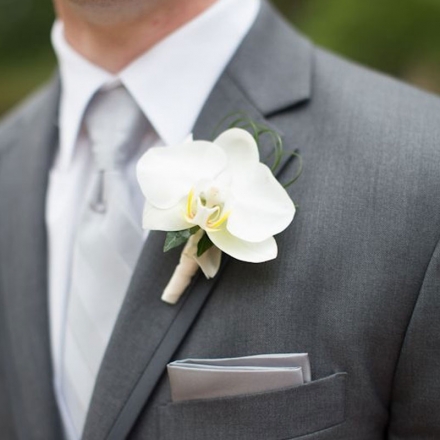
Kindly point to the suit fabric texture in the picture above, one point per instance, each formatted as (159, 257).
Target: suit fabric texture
(356, 283)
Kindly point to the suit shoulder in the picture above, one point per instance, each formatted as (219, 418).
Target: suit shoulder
(383, 133)
(12, 123)
(376, 112)
(349, 82)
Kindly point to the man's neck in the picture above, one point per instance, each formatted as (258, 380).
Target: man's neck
(112, 39)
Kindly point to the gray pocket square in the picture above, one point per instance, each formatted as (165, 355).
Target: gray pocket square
(192, 379)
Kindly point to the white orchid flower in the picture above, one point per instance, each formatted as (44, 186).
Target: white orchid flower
(221, 187)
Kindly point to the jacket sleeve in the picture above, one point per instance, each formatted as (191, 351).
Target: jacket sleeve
(415, 399)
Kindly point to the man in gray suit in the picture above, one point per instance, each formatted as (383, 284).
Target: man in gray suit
(356, 283)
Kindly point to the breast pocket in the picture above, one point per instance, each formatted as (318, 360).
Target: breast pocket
(276, 415)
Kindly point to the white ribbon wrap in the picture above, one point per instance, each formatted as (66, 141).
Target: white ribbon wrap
(188, 265)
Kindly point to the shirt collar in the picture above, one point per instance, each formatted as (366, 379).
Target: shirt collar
(170, 82)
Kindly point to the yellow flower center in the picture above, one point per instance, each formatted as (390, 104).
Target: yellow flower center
(206, 209)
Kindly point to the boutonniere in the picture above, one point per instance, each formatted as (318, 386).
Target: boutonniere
(214, 197)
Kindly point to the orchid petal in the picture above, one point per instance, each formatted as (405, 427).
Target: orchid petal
(189, 139)
(243, 250)
(240, 148)
(262, 207)
(166, 174)
(210, 261)
(172, 219)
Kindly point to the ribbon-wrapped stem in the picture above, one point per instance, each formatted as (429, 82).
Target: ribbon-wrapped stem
(188, 265)
(183, 273)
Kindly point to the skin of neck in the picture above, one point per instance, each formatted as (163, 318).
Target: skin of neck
(113, 33)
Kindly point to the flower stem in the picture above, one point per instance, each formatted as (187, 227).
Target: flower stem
(184, 272)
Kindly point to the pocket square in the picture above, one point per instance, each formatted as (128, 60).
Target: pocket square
(192, 379)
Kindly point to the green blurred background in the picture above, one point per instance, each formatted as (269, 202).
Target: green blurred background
(400, 37)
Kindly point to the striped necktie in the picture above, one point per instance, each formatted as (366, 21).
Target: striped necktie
(107, 245)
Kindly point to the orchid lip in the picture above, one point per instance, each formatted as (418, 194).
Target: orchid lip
(206, 210)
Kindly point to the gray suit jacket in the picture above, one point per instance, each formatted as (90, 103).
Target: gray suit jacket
(356, 283)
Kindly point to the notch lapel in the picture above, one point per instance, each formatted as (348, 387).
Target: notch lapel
(148, 331)
(26, 157)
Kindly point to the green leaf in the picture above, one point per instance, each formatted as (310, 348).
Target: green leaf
(204, 244)
(177, 238)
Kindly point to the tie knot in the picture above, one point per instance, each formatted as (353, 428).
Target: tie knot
(115, 125)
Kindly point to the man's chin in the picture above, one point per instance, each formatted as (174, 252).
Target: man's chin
(112, 12)
(101, 3)
(114, 4)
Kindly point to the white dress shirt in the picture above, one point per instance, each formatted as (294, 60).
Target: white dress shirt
(170, 83)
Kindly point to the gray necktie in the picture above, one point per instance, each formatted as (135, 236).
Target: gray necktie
(107, 245)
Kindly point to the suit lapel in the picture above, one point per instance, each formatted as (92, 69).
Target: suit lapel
(148, 331)
(25, 160)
